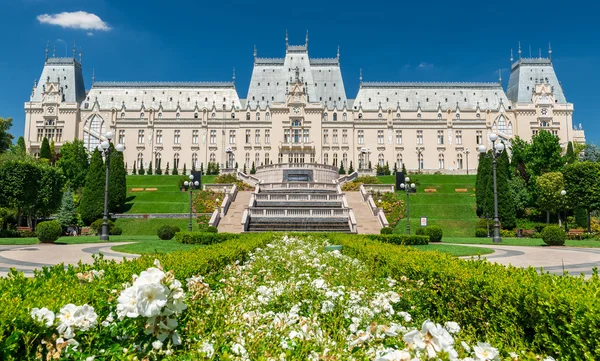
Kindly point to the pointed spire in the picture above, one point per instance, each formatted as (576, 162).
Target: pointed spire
(307, 38)
(80, 56)
(233, 75)
(361, 76)
(286, 39)
(47, 49)
(511, 57)
(500, 76)
(550, 51)
(540, 53)
(74, 49)
(338, 53)
(54, 51)
(93, 75)
(520, 52)
(255, 52)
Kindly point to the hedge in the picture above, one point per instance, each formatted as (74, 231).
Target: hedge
(400, 239)
(49, 231)
(204, 237)
(511, 307)
(54, 287)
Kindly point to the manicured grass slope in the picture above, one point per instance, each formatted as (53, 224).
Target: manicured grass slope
(149, 226)
(454, 212)
(168, 198)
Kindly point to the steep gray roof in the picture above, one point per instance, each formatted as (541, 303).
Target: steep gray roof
(526, 73)
(67, 71)
(158, 84)
(430, 96)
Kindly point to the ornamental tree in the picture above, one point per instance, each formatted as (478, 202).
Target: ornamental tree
(350, 168)
(548, 186)
(582, 183)
(570, 157)
(5, 137)
(149, 172)
(484, 174)
(45, 149)
(506, 204)
(518, 150)
(74, 163)
(544, 154)
(91, 206)
(117, 182)
(67, 214)
(49, 191)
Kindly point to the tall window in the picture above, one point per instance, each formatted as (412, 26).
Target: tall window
(280, 158)
(157, 158)
(312, 157)
(212, 158)
(419, 137)
(248, 161)
(267, 161)
(502, 124)
(177, 137)
(345, 160)
(256, 160)
(194, 136)
(459, 137)
(232, 137)
(380, 137)
(257, 136)
(267, 137)
(40, 134)
(398, 137)
(479, 137)
(195, 160)
(335, 158)
(58, 134)
(459, 161)
(247, 136)
(361, 161)
(248, 116)
(344, 116)
(306, 136)
(441, 161)
(420, 160)
(344, 136)
(257, 116)
(361, 137)
(140, 160)
(325, 158)
(440, 137)
(213, 137)
(399, 161)
(159, 137)
(334, 139)
(380, 160)
(325, 137)
(176, 161)
(325, 116)
(121, 137)
(335, 116)
(296, 135)
(510, 129)
(140, 137)
(177, 116)
(267, 117)
(286, 136)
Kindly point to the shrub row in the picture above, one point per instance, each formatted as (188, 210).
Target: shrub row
(513, 307)
(400, 239)
(204, 237)
(54, 287)
(435, 233)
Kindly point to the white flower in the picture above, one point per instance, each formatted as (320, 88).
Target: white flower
(549, 358)
(150, 276)
(90, 358)
(43, 315)
(238, 349)
(319, 283)
(207, 349)
(67, 321)
(452, 327)
(71, 343)
(485, 352)
(395, 355)
(360, 338)
(414, 340)
(85, 317)
(157, 345)
(465, 346)
(439, 339)
(327, 306)
(151, 298)
(127, 303)
(407, 317)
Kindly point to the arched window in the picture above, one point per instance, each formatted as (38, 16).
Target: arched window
(256, 160)
(345, 161)
(280, 158)
(267, 160)
(441, 161)
(510, 129)
(177, 116)
(267, 116)
(248, 161)
(248, 116)
(335, 159)
(502, 124)
(459, 161)
(334, 116)
(257, 116)
(361, 161)
(93, 132)
(325, 116)
(344, 117)
(325, 158)
(195, 160)
(399, 161)
(176, 161)
(212, 158)
(142, 116)
(159, 115)
(381, 160)
(140, 160)
(122, 115)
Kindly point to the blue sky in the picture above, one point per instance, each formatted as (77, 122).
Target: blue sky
(390, 40)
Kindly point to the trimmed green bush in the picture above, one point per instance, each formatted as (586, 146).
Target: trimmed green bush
(420, 231)
(386, 230)
(400, 239)
(481, 232)
(48, 232)
(167, 232)
(506, 233)
(96, 227)
(212, 229)
(435, 233)
(203, 237)
(553, 236)
(115, 231)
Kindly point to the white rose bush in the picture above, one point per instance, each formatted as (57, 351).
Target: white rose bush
(272, 297)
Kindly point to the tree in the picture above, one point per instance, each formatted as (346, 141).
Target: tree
(52, 152)
(548, 187)
(49, 191)
(45, 149)
(67, 214)
(484, 174)
(17, 180)
(141, 171)
(158, 167)
(544, 154)
(149, 168)
(134, 171)
(20, 148)
(126, 168)
(520, 195)
(395, 168)
(582, 183)
(404, 169)
(518, 150)
(167, 169)
(506, 204)
(91, 206)
(117, 182)
(342, 170)
(202, 168)
(351, 168)
(253, 169)
(175, 170)
(184, 169)
(244, 170)
(570, 157)
(5, 137)
(74, 163)
(591, 152)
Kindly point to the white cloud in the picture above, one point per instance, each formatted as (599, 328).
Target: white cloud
(90, 34)
(425, 65)
(75, 20)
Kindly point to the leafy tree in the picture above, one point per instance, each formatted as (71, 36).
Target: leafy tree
(5, 137)
(253, 169)
(351, 168)
(520, 195)
(591, 152)
(45, 149)
(544, 154)
(52, 152)
(74, 163)
(20, 148)
(117, 182)
(18, 182)
(484, 174)
(506, 204)
(184, 169)
(518, 150)
(91, 206)
(548, 187)
(582, 183)
(570, 157)
(67, 214)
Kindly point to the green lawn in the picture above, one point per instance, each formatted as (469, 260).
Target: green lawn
(453, 212)
(154, 245)
(168, 198)
(589, 243)
(457, 251)
(75, 240)
(148, 227)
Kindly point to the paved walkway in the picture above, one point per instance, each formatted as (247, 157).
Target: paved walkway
(575, 260)
(366, 222)
(232, 222)
(30, 257)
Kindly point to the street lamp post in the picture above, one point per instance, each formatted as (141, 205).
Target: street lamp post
(104, 148)
(563, 193)
(497, 150)
(407, 187)
(467, 151)
(419, 153)
(191, 184)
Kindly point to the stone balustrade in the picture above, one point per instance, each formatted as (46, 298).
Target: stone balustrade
(298, 185)
(298, 212)
(297, 197)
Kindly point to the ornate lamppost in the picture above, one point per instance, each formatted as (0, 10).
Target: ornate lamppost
(191, 184)
(407, 187)
(497, 150)
(104, 148)
(563, 193)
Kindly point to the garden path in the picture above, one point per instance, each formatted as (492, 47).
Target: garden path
(575, 260)
(30, 257)
(366, 223)
(232, 222)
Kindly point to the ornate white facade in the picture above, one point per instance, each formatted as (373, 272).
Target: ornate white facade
(296, 110)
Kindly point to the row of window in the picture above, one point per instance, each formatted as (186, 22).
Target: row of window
(52, 134)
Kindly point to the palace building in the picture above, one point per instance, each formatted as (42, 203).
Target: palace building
(296, 111)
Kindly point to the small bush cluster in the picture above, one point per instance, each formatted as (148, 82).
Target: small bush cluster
(48, 232)
(167, 232)
(386, 230)
(203, 237)
(553, 236)
(481, 232)
(113, 229)
(435, 233)
(399, 239)
(232, 179)
(356, 183)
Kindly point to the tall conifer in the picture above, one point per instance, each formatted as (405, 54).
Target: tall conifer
(91, 206)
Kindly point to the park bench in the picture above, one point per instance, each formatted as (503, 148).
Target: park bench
(461, 190)
(528, 232)
(430, 190)
(151, 189)
(575, 233)
(137, 189)
(86, 231)
(24, 229)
